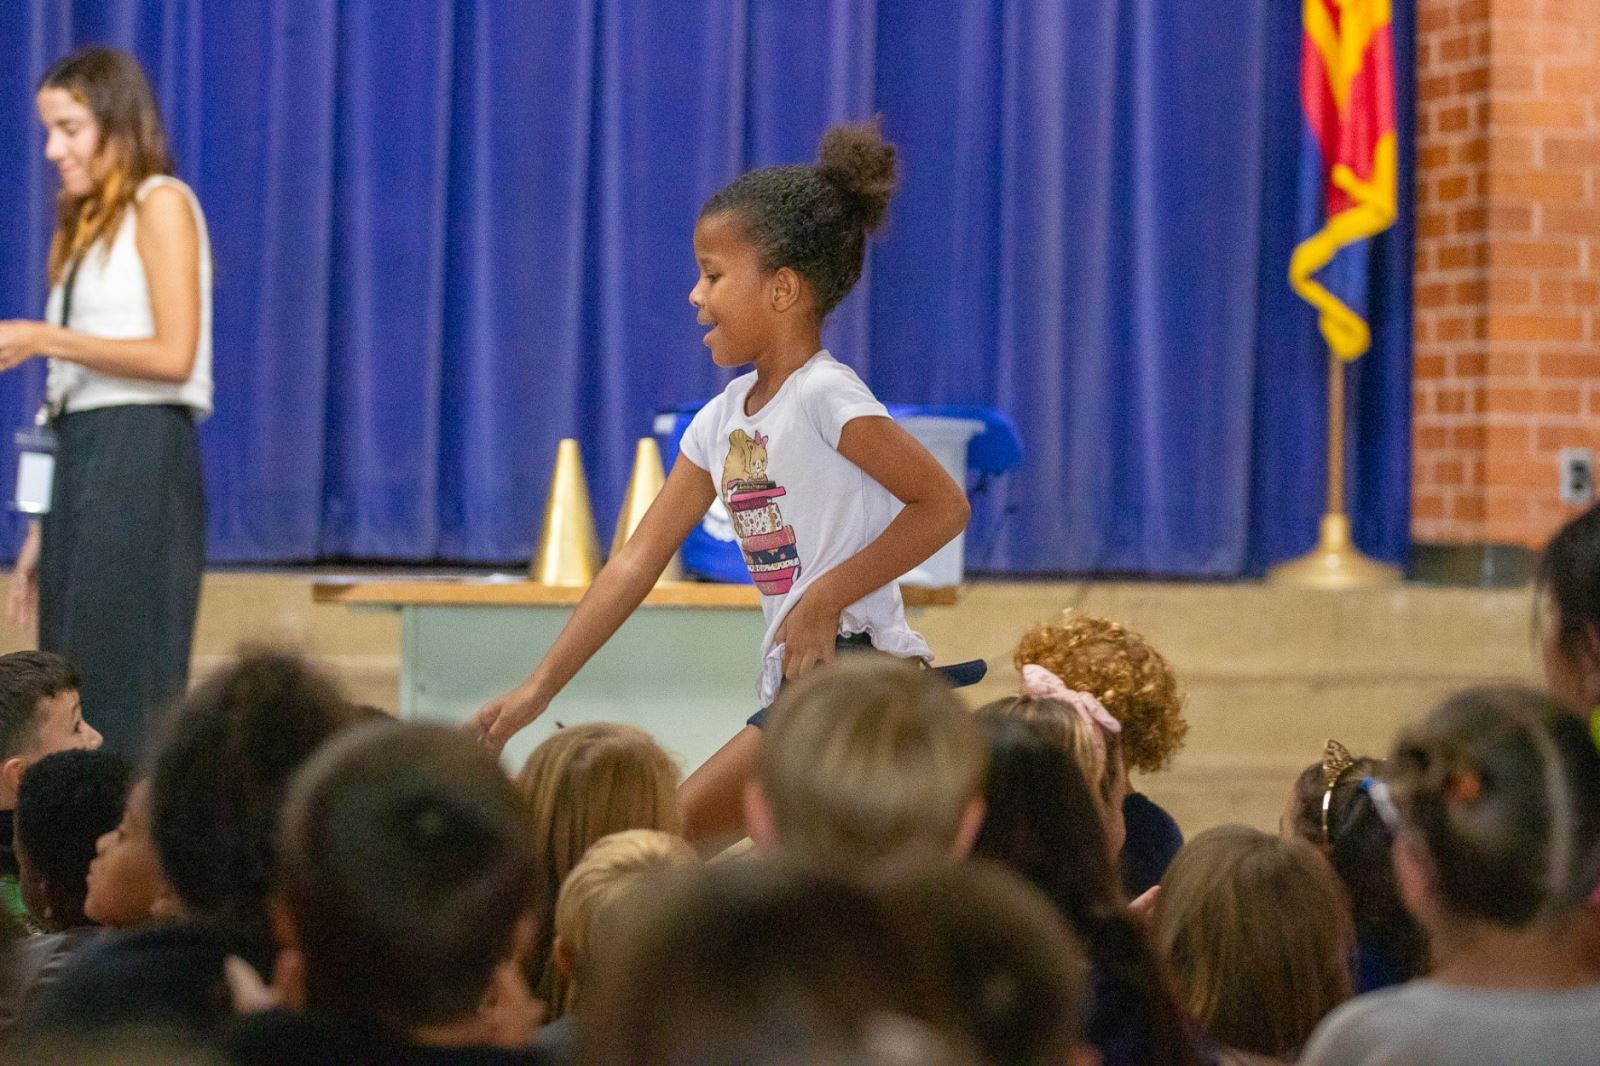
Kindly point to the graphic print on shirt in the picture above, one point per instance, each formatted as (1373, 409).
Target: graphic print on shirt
(768, 544)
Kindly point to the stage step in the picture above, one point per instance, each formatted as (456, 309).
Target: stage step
(1268, 673)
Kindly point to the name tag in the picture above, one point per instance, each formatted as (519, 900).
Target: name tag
(36, 469)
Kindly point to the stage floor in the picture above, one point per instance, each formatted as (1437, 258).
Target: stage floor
(1268, 673)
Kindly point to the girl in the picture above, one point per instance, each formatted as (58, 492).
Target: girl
(1494, 802)
(129, 340)
(1043, 820)
(1568, 582)
(583, 783)
(806, 459)
(1331, 808)
(1258, 935)
(1133, 681)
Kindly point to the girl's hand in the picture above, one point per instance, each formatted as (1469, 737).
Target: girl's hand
(509, 1011)
(502, 718)
(19, 342)
(808, 632)
(251, 995)
(22, 594)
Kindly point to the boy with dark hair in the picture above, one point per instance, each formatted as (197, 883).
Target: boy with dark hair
(405, 879)
(40, 714)
(218, 783)
(68, 800)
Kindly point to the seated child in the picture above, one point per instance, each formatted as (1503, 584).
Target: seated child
(126, 887)
(1258, 935)
(582, 783)
(39, 714)
(1131, 680)
(218, 782)
(1042, 821)
(867, 762)
(404, 878)
(66, 802)
(595, 897)
(1494, 803)
(1331, 807)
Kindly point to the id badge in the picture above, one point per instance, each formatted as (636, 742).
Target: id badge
(36, 469)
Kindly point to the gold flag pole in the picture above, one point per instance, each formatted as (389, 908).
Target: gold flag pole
(1335, 563)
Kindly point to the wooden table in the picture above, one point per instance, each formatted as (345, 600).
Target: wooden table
(683, 667)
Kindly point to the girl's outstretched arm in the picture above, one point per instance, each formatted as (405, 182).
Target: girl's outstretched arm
(936, 510)
(618, 589)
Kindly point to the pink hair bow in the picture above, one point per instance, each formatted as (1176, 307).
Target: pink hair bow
(1045, 685)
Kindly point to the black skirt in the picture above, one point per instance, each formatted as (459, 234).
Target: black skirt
(121, 558)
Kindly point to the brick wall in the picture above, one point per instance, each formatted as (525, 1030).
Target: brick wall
(1507, 263)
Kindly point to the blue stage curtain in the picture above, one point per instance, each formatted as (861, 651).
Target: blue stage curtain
(448, 234)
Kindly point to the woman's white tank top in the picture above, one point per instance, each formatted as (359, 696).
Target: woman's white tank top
(111, 298)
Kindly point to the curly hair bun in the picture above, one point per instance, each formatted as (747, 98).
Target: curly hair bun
(857, 160)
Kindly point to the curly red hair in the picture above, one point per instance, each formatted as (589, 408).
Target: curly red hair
(1116, 666)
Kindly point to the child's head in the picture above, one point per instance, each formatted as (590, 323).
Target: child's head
(40, 713)
(1014, 972)
(220, 775)
(582, 783)
(598, 891)
(125, 884)
(1497, 793)
(1568, 582)
(748, 957)
(1117, 667)
(1081, 727)
(1258, 935)
(1335, 793)
(405, 874)
(865, 761)
(66, 802)
(791, 238)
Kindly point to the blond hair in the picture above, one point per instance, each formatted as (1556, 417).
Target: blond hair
(1119, 668)
(1065, 728)
(1258, 933)
(869, 759)
(585, 782)
(604, 879)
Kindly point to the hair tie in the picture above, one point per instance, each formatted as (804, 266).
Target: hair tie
(1043, 684)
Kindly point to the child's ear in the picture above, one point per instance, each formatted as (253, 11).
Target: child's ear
(787, 289)
(562, 955)
(10, 781)
(967, 829)
(758, 820)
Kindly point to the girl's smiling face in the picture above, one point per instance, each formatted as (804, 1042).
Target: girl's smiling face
(72, 138)
(125, 879)
(731, 293)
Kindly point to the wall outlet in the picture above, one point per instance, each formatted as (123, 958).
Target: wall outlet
(1577, 476)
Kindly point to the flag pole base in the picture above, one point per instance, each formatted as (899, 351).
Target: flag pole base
(1335, 563)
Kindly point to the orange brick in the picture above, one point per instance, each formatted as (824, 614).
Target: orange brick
(1515, 363)
(1471, 219)
(1451, 119)
(1512, 78)
(1545, 114)
(1510, 292)
(1579, 14)
(1508, 439)
(1433, 224)
(1543, 186)
(1508, 219)
(1450, 401)
(1577, 79)
(1511, 149)
(1554, 438)
(1534, 254)
(1571, 221)
(1454, 46)
(1461, 256)
(1472, 291)
(1427, 367)
(1535, 327)
(1432, 156)
(1427, 505)
(1451, 188)
(1471, 80)
(1569, 365)
(1562, 151)
(1430, 438)
(1470, 12)
(1467, 508)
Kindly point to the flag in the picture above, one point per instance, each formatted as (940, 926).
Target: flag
(1348, 163)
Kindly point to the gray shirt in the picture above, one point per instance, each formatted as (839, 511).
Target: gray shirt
(1425, 1023)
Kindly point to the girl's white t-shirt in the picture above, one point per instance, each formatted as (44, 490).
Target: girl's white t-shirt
(799, 508)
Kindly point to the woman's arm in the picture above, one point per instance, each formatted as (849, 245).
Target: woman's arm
(169, 246)
(618, 589)
(935, 511)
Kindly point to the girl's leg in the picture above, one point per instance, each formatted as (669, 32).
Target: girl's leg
(712, 799)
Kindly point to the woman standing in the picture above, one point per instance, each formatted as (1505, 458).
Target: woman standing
(113, 570)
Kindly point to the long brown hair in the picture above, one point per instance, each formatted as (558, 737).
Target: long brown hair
(582, 783)
(1258, 934)
(133, 147)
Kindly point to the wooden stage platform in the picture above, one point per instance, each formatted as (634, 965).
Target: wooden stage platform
(1268, 673)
